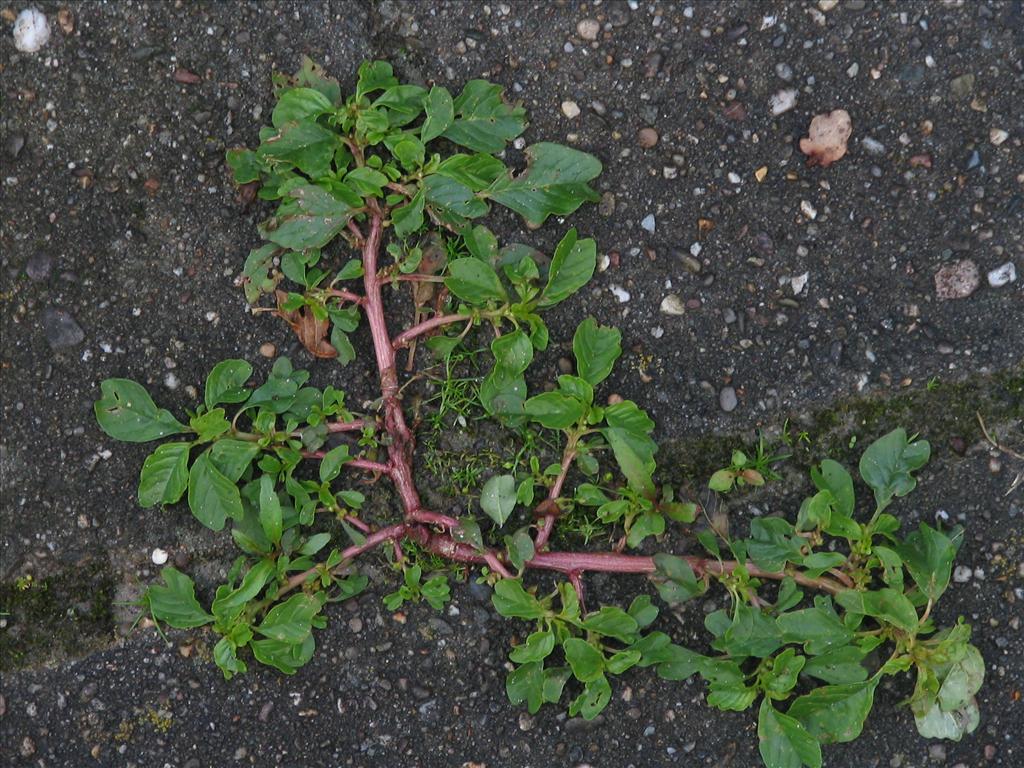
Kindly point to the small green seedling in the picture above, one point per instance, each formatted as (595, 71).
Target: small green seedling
(374, 193)
(744, 470)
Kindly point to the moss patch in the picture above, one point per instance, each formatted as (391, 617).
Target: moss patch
(56, 617)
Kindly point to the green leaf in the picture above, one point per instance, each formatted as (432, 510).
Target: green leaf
(627, 434)
(937, 723)
(512, 601)
(225, 384)
(245, 165)
(647, 524)
(643, 611)
(526, 684)
(571, 268)
(782, 677)
(520, 548)
(312, 75)
(538, 646)
(586, 662)
(332, 462)
(886, 604)
(304, 144)
(125, 411)
(316, 217)
(374, 76)
(404, 103)
(816, 628)
(176, 603)
(612, 622)
(595, 697)
(835, 713)
(408, 218)
(210, 425)
(483, 121)
(285, 657)
(554, 410)
(887, 463)
(225, 656)
(440, 112)
(962, 680)
(164, 476)
(409, 152)
(366, 181)
(554, 183)
(229, 603)
(211, 496)
(784, 742)
(773, 543)
(596, 348)
(298, 104)
(731, 696)
(270, 510)
(233, 457)
(498, 498)
(476, 172)
(680, 582)
(928, 554)
(752, 633)
(451, 201)
(474, 281)
(841, 665)
(833, 477)
(291, 622)
(815, 512)
(468, 532)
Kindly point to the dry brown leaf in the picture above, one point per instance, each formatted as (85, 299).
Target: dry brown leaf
(827, 137)
(311, 332)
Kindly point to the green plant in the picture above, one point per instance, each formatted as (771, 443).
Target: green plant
(744, 470)
(434, 590)
(272, 459)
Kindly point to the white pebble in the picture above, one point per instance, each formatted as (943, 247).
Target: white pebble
(657, 331)
(619, 293)
(1003, 275)
(873, 146)
(783, 101)
(673, 305)
(31, 31)
(799, 282)
(997, 136)
(962, 574)
(695, 249)
(588, 29)
(570, 109)
(648, 222)
(808, 210)
(159, 556)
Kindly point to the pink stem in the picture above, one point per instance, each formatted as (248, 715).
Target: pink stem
(355, 522)
(432, 518)
(346, 426)
(355, 298)
(391, 533)
(369, 466)
(406, 336)
(401, 446)
(556, 490)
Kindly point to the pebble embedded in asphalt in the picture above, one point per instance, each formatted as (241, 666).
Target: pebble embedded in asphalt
(727, 399)
(61, 329)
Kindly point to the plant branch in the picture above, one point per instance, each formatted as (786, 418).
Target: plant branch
(369, 466)
(551, 507)
(405, 337)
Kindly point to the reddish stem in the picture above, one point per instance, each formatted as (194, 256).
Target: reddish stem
(406, 336)
(369, 466)
(556, 490)
(344, 295)
(346, 426)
